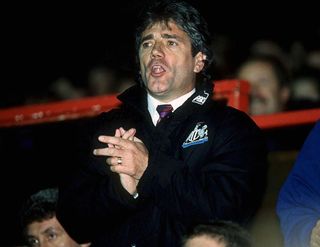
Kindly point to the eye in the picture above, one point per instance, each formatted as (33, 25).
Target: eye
(146, 44)
(33, 242)
(172, 43)
(52, 235)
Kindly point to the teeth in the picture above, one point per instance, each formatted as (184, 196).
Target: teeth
(157, 69)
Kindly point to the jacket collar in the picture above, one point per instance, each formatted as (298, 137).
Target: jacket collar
(136, 97)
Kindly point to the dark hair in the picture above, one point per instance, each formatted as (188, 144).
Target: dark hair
(280, 70)
(187, 18)
(40, 206)
(227, 232)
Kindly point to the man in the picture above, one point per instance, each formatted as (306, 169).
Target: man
(147, 180)
(298, 205)
(268, 79)
(39, 223)
(217, 234)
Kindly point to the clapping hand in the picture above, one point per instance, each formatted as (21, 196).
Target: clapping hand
(126, 155)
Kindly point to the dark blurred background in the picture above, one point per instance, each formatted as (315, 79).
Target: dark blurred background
(44, 42)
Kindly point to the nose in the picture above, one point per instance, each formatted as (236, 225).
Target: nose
(157, 51)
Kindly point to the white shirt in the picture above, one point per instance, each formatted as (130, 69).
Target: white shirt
(153, 103)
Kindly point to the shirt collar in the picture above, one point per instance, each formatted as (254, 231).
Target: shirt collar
(176, 103)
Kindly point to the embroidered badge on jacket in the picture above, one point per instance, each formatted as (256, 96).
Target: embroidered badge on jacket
(197, 136)
(201, 99)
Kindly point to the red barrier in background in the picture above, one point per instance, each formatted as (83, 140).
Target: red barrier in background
(287, 119)
(235, 92)
(56, 111)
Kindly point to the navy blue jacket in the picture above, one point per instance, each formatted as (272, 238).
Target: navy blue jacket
(298, 205)
(206, 162)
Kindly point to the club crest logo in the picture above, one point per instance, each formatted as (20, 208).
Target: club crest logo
(199, 135)
(200, 99)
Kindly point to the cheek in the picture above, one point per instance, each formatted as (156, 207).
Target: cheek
(144, 57)
(272, 90)
(143, 65)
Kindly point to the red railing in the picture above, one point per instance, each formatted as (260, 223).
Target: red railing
(287, 119)
(56, 111)
(235, 92)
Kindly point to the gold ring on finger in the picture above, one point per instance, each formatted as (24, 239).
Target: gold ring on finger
(119, 160)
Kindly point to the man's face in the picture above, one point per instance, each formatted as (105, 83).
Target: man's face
(48, 233)
(265, 92)
(167, 66)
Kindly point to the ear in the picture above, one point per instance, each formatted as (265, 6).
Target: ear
(199, 62)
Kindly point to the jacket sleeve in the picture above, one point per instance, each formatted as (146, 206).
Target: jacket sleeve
(92, 198)
(223, 178)
(298, 205)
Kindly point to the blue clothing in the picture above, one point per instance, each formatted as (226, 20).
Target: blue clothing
(298, 205)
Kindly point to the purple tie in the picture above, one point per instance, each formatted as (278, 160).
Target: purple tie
(164, 111)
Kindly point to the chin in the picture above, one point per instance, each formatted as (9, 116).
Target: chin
(157, 89)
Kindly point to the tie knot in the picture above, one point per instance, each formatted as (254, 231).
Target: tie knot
(164, 111)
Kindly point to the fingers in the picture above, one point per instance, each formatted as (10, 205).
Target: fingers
(136, 139)
(119, 141)
(121, 169)
(109, 151)
(129, 134)
(125, 153)
(116, 134)
(113, 140)
(117, 165)
(114, 161)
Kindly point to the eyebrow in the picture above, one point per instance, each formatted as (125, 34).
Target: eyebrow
(150, 36)
(165, 35)
(50, 229)
(171, 36)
